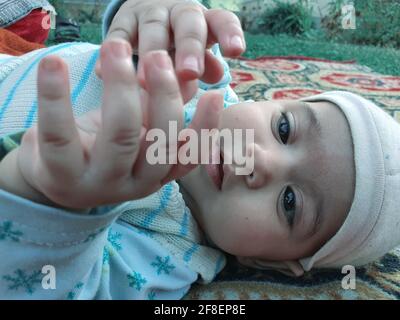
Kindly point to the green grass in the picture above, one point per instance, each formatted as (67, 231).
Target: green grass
(90, 32)
(382, 60)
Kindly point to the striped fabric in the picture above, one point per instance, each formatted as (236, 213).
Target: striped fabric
(18, 99)
(163, 216)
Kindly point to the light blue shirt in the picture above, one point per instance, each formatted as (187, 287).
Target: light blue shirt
(94, 256)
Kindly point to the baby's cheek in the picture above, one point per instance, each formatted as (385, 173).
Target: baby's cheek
(243, 238)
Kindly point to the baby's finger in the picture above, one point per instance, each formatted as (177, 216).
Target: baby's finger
(206, 117)
(226, 28)
(59, 143)
(124, 25)
(188, 89)
(165, 106)
(153, 30)
(190, 32)
(214, 70)
(154, 34)
(213, 73)
(117, 143)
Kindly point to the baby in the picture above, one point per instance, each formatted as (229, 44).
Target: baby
(81, 197)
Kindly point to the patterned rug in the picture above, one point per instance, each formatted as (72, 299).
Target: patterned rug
(292, 78)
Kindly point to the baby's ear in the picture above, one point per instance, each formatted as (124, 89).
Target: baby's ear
(290, 267)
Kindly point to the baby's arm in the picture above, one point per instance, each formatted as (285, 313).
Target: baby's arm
(101, 159)
(49, 253)
(33, 235)
(12, 180)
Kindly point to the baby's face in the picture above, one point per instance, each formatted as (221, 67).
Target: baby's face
(301, 188)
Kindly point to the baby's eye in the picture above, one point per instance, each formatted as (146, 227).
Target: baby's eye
(289, 205)
(284, 128)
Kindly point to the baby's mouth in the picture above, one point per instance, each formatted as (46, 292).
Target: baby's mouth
(215, 168)
(221, 167)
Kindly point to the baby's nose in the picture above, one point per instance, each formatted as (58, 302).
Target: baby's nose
(265, 167)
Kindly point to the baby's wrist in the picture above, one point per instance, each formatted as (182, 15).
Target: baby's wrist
(12, 181)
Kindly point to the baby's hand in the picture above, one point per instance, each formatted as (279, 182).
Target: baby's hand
(100, 158)
(188, 29)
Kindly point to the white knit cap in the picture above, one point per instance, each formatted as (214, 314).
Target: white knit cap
(372, 227)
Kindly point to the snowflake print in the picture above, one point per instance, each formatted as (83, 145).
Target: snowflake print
(136, 280)
(6, 231)
(115, 240)
(163, 265)
(23, 280)
(151, 295)
(72, 294)
(106, 255)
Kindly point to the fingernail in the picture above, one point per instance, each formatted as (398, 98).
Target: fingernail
(162, 60)
(50, 65)
(120, 49)
(191, 63)
(236, 41)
